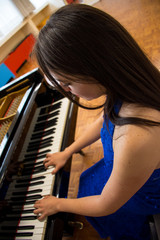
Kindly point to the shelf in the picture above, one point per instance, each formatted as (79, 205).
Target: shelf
(29, 25)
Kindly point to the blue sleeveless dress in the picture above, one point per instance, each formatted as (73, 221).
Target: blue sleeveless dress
(130, 222)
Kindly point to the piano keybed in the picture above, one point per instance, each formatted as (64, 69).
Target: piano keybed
(34, 181)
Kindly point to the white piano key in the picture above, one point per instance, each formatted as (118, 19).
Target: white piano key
(36, 231)
(36, 223)
(36, 237)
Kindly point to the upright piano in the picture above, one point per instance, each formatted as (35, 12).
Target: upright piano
(34, 120)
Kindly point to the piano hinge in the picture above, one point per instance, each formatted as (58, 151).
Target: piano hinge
(75, 224)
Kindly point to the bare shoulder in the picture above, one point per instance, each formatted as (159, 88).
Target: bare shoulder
(136, 156)
(139, 142)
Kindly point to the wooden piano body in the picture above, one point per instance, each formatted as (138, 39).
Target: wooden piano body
(37, 120)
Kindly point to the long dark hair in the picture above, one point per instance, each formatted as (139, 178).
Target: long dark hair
(80, 40)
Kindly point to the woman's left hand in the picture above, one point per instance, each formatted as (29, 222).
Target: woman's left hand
(45, 207)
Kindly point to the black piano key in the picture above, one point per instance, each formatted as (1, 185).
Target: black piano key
(53, 107)
(15, 218)
(29, 203)
(20, 204)
(37, 170)
(24, 234)
(6, 238)
(32, 164)
(43, 134)
(21, 211)
(11, 227)
(36, 196)
(18, 198)
(44, 125)
(47, 116)
(27, 170)
(30, 179)
(30, 170)
(41, 147)
(12, 235)
(32, 159)
(40, 141)
(26, 192)
(36, 154)
(27, 227)
(21, 193)
(29, 184)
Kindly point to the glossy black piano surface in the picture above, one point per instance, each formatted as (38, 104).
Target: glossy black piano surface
(43, 121)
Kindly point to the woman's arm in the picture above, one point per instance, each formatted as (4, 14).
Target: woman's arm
(132, 168)
(90, 135)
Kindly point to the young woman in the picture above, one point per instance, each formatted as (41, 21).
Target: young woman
(84, 51)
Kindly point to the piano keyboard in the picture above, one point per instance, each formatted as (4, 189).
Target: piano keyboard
(44, 135)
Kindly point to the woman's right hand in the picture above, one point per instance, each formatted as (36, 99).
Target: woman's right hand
(57, 160)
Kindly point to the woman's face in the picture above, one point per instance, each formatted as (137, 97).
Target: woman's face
(87, 91)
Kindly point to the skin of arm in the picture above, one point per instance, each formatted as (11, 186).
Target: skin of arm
(132, 167)
(89, 136)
